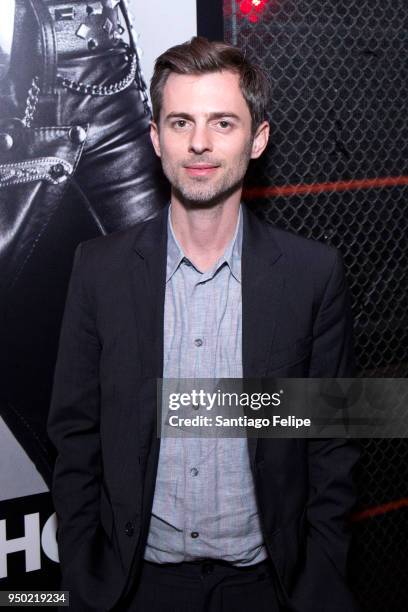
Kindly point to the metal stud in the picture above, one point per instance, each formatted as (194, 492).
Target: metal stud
(77, 134)
(82, 31)
(64, 14)
(57, 170)
(6, 141)
(92, 44)
(95, 9)
(108, 26)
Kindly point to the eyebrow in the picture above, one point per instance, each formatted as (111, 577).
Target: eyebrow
(217, 115)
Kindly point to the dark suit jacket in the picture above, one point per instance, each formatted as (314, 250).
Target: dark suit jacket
(296, 323)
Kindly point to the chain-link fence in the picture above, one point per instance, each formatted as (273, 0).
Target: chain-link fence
(336, 171)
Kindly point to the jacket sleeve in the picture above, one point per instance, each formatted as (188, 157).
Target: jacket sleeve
(322, 583)
(73, 423)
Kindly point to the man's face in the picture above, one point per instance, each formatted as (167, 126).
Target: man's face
(204, 137)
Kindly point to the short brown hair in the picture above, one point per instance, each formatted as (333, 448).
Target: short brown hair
(200, 56)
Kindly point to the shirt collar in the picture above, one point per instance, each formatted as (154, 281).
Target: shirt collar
(231, 256)
(175, 253)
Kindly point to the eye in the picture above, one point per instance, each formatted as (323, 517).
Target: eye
(224, 124)
(180, 123)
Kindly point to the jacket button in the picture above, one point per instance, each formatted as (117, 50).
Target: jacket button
(129, 529)
(77, 134)
(57, 171)
(6, 142)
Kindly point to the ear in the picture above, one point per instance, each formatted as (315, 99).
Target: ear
(154, 136)
(260, 140)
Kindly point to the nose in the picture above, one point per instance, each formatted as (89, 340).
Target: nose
(200, 140)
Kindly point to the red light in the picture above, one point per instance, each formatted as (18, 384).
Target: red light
(252, 9)
(245, 7)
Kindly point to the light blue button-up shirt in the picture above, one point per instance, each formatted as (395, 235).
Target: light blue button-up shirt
(204, 503)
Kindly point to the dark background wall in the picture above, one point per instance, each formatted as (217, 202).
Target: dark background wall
(336, 171)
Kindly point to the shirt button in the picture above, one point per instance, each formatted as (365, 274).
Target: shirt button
(129, 529)
(194, 534)
(198, 342)
(194, 472)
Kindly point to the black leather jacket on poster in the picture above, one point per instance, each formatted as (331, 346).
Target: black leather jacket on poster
(75, 161)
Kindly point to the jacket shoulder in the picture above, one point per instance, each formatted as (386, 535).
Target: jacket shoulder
(107, 253)
(115, 242)
(297, 252)
(297, 246)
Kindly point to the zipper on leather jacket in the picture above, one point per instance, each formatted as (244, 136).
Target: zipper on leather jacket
(54, 170)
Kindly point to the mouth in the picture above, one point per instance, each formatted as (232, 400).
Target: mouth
(201, 169)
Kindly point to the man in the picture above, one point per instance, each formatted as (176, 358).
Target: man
(205, 290)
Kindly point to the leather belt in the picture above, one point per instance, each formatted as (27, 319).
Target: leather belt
(86, 28)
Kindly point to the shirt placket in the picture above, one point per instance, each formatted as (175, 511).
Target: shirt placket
(194, 469)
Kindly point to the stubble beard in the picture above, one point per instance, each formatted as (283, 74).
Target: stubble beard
(204, 192)
(198, 192)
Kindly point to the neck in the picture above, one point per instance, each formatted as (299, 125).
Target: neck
(204, 232)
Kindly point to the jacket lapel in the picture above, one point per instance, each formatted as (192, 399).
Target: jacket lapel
(148, 279)
(148, 272)
(262, 285)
